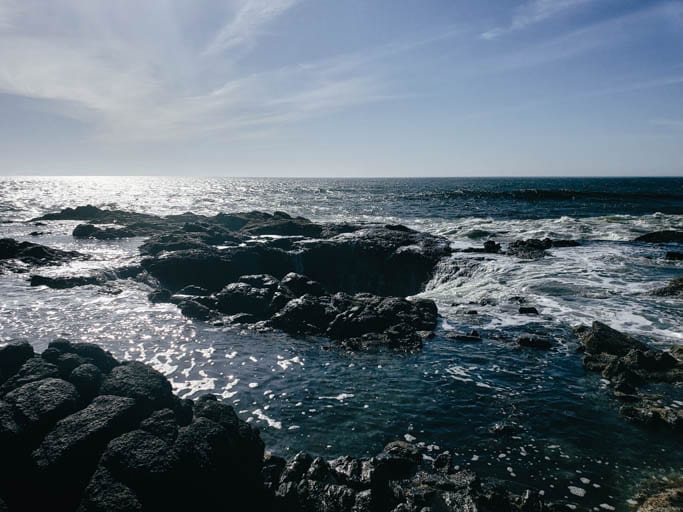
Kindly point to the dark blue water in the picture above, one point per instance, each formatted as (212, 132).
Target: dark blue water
(567, 433)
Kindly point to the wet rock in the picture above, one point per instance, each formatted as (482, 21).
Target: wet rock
(443, 462)
(673, 289)
(158, 296)
(12, 357)
(34, 254)
(194, 290)
(473, 335)
(529, 249)
(242, 297)
(653, 414)
(305, 315)
(148, 387)
(397, 461)
(297, 285)
(601, 338)
(673, 256)
(662, 237)
(195, 310)
(64, 282)
(528, 310)
(534, 342)
(296, 468)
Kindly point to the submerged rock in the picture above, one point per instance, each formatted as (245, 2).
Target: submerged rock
(534, 248)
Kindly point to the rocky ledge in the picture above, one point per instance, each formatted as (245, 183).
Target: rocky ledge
(82, 431)
(631, 366)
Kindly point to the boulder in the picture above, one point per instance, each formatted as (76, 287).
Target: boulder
(80, 437)
(149, 388)
(242, 297)
(34, 369)
(87, 378)
(106, 494)
(42, 403)
(12, 357)
(298, 285)
(63, 282)
(601, 338)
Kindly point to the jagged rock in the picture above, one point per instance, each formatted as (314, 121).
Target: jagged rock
(653, 414)
(673, 289)
(662, 237)
(149, 388)
(529, 249)
(162, 424)
(601, 338)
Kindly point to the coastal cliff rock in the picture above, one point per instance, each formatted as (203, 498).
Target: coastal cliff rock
(110, 436)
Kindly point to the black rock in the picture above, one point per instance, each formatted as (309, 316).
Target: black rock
(77, 440)
(106, 494)
(34, 254)
(163, 424)
(34, 369)
(63, 282)
(673, 289)
(195, 310)
(662, 237)
(601, 338)
(298, 285)
(87, 378)
(528, 310)
(534, 342)
(40, 404)
(12, 357)
(673, 256)
(148, 387)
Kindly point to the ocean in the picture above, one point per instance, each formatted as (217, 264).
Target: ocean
(568, 439)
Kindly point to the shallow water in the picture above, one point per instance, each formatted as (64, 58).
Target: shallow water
(569, 440)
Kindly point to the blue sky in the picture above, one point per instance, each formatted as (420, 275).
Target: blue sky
(341, 88)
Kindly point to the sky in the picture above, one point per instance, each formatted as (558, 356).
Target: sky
(341, 88)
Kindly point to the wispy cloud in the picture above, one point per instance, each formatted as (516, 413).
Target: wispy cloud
(534, 12)
(248, 23)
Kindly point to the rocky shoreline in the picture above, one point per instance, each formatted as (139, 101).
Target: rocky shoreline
(96, 434)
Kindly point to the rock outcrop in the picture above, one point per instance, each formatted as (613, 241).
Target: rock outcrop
(629, 364)
(662, 237)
